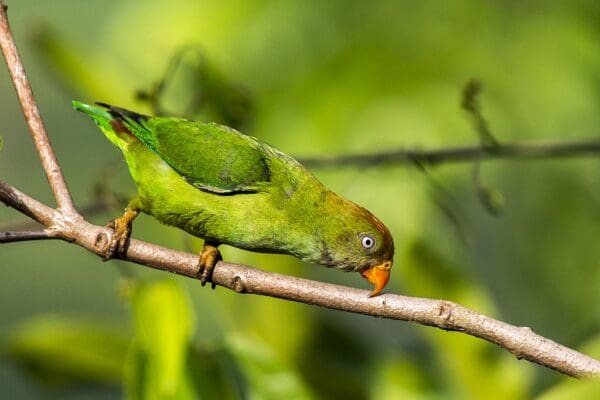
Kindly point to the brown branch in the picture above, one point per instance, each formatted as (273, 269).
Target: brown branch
(94, 207)
(531, 150)
(65, 223)
(26, 205)
(22, 236)
(520, 341)
(32, 116)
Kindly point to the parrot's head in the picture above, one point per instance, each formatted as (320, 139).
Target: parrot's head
(377, 245)
(362, 244)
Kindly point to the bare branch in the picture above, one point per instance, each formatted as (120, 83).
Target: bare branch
(22, 236)
(531, 150)
(65, 223)
(103, 200)
(32, 116)
(520, 341)
(94, 207)
(35, 210)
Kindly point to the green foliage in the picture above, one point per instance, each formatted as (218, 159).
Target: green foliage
(163, 362)
(471, 367)
(163, 325)
(60, 350)
(71, 65)
(345, 356)
(160, 361)
(193, 88)
(401, 378)
(569, 388)
(268, 378)
(584, 389)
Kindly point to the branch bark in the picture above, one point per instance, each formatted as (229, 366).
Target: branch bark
(23, 236)
(521, 341)
(32, 116)
(66, 224)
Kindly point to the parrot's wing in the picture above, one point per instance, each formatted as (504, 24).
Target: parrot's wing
(211, 157)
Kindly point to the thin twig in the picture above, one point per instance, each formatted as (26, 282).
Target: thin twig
(532, 150)
(470, 103)
(22, 236)
(66, 224)
(32, 116)
(524, 150)
(490, 198)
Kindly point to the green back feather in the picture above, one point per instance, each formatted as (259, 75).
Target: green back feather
(209, 156)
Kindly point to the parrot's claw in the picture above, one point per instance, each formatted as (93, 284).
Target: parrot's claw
(209, 256)
(121, 232)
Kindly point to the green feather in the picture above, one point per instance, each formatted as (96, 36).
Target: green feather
(218, 184)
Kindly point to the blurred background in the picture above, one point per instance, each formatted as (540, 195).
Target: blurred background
(313, 79)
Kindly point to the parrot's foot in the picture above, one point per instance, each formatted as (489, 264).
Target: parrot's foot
(122, 231)
(209, 256)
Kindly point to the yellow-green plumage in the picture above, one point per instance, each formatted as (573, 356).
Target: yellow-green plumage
(221, 185)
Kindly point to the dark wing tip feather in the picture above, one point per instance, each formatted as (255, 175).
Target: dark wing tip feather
(123, 114)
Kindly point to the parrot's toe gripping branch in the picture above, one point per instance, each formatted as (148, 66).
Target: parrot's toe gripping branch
(122, 231)
(209, 256)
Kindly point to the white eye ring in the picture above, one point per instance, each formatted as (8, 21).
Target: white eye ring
(367, 242)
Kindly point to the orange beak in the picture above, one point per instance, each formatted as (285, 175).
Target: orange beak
(378, 275)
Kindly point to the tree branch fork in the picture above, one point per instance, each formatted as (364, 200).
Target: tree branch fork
(66, 223)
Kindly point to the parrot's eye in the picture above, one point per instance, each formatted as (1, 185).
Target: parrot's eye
(367, 242)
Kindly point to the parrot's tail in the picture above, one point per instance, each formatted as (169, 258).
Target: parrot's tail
(108, 124)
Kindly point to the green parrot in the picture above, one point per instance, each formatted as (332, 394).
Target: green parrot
(229, 188)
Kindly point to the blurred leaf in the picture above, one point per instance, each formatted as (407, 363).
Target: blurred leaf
(157, 360)
(162, 363)
(573, 389)
(401, 379)
(569, 388)
(592, 347)
(471, 368)
(61, 350)
(194, 88)
(492, 199)
(268, 377)
(80, 71)
(347, 359)
(215, 374)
